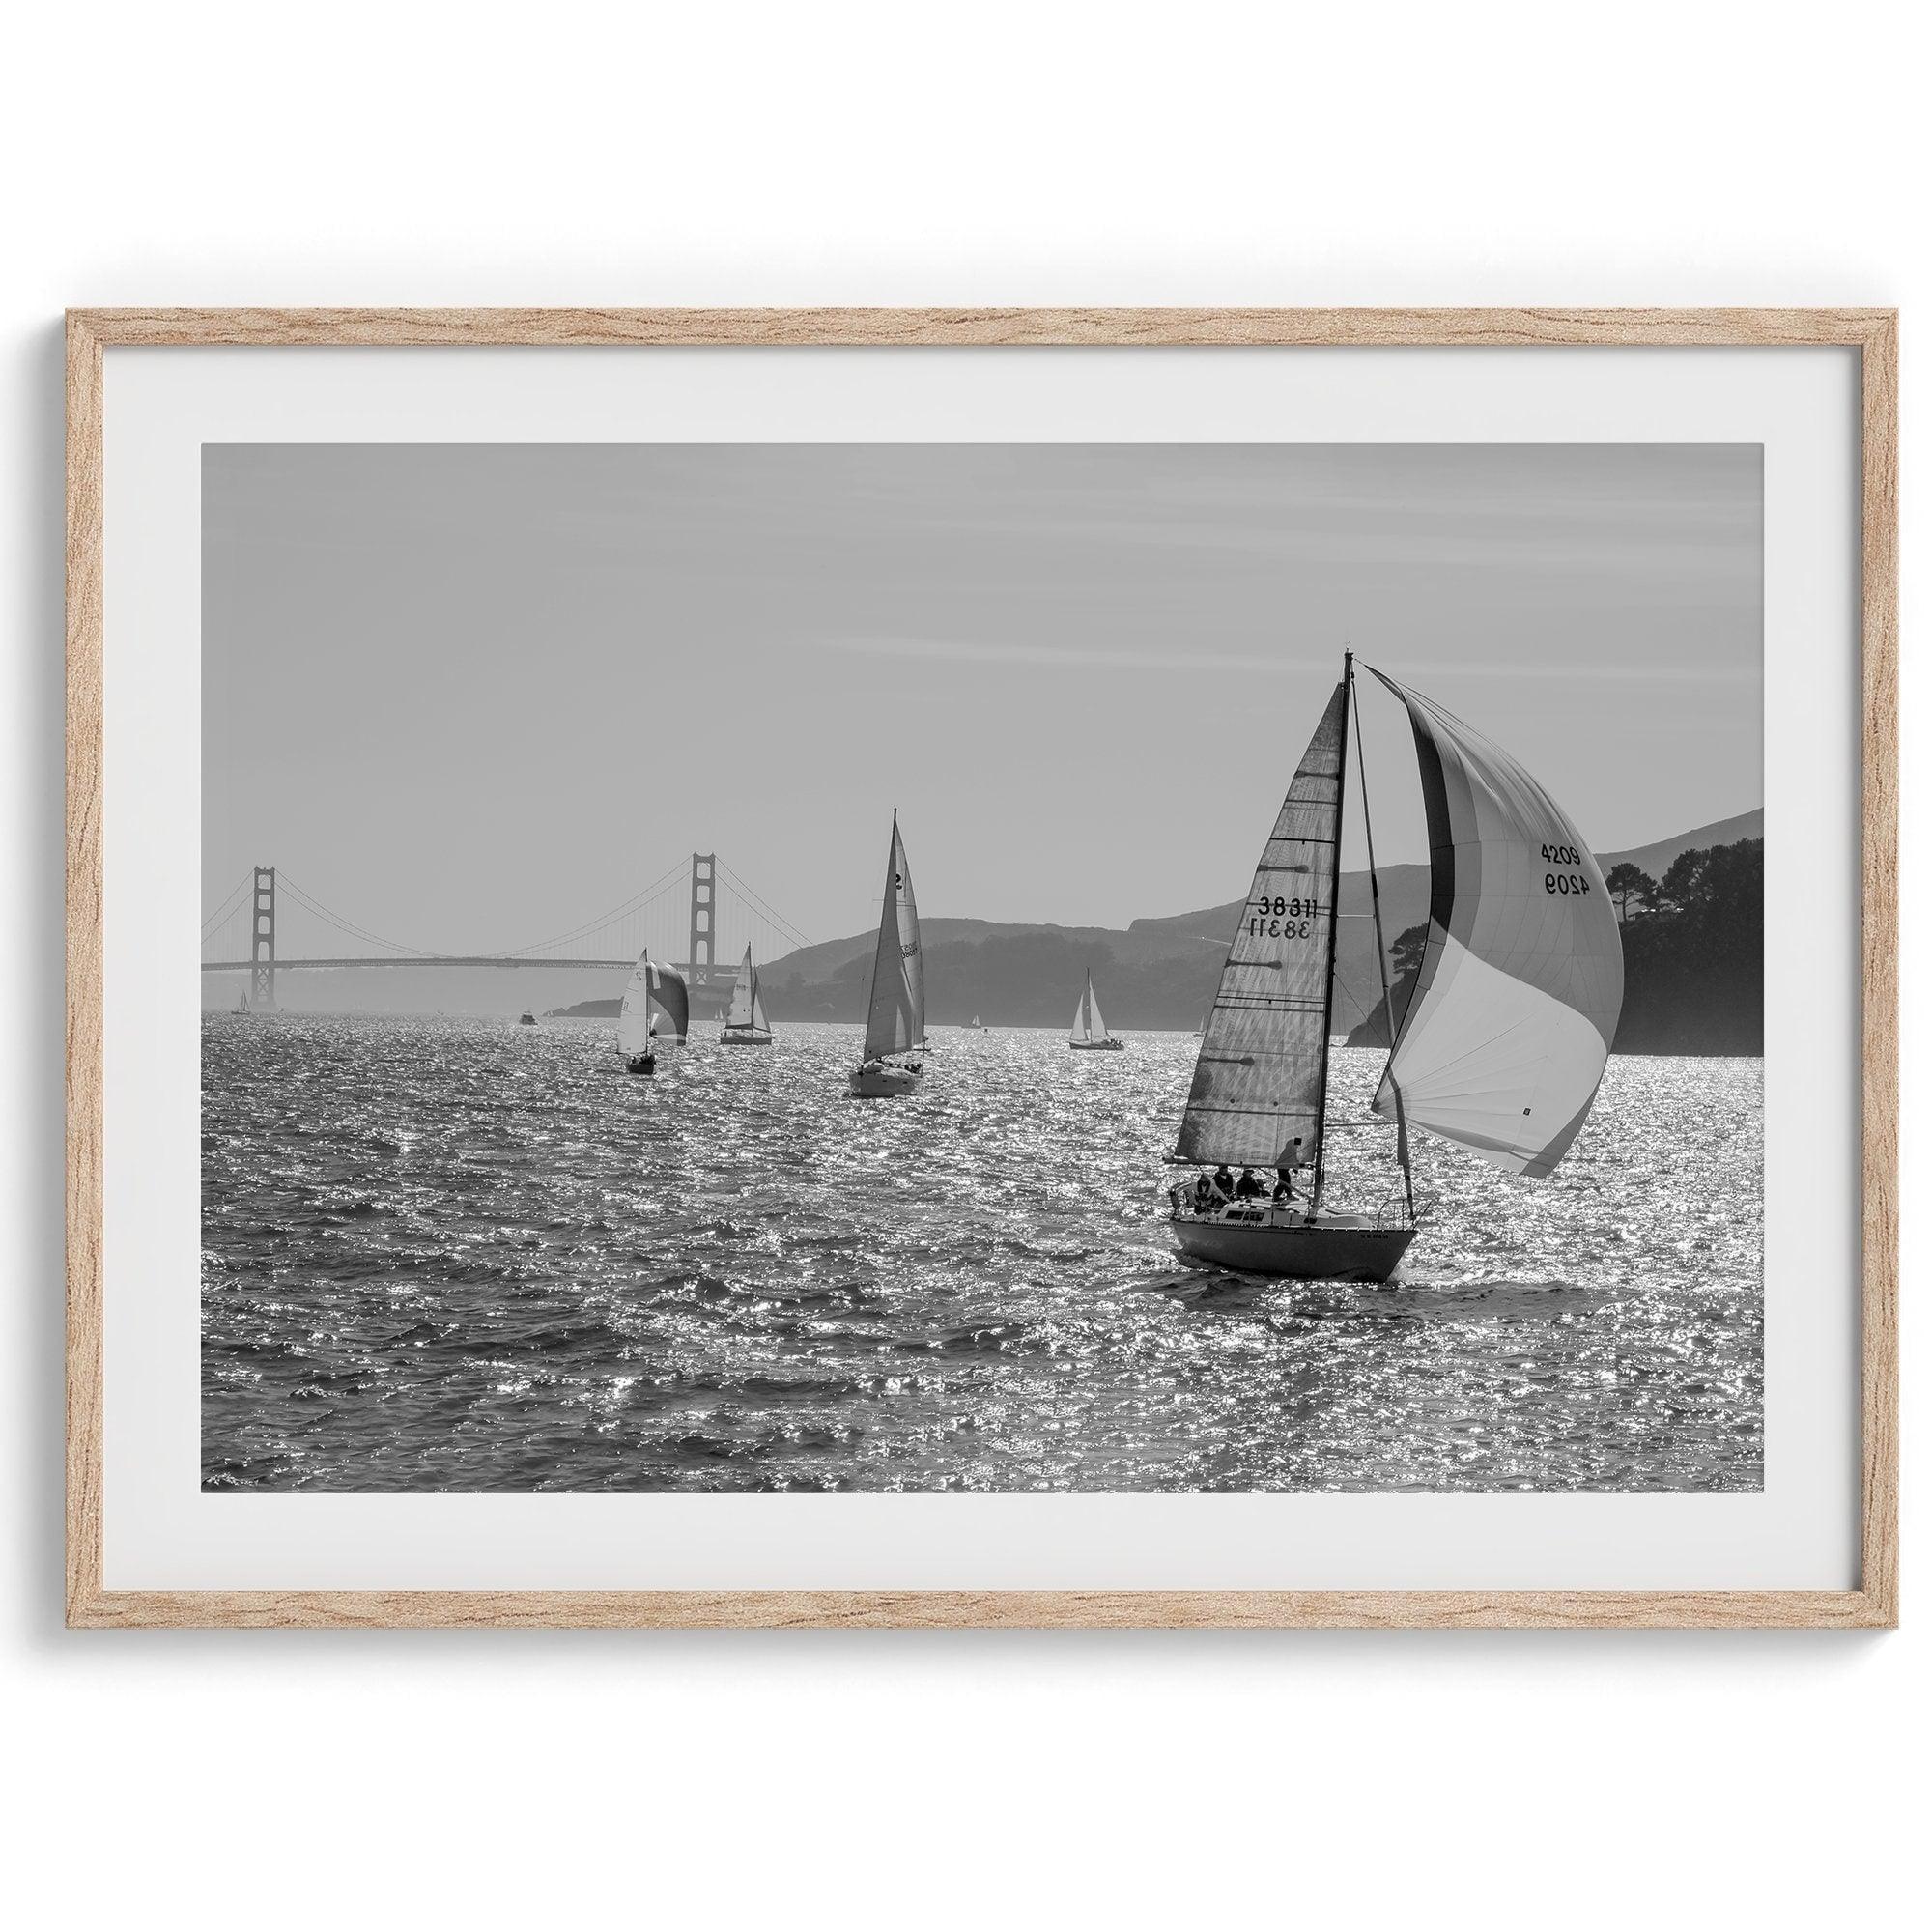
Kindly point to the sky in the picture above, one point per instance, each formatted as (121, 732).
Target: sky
(472, 695)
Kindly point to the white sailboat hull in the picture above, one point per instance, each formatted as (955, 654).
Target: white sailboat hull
(744, 1036)
(881, 1083)
(1097, 1045)
(1323, 1250)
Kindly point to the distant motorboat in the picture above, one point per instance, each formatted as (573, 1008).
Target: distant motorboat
(895, 999)
(1503, 1040)
(744, 1024)
(651, 986)
(528, 1019)
(1090, 1033)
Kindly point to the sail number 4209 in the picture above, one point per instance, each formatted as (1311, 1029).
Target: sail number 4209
(1563, 883)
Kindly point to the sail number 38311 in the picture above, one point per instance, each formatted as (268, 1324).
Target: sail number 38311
(1282, 918)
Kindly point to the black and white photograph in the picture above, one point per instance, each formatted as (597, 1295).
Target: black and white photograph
(972, 967)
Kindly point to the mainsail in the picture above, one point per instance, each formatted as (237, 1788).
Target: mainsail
(1256, 1101)
(1086, 1021)
(896, 1009)
(1504, 1041)
(651, 982)
(747, 1007)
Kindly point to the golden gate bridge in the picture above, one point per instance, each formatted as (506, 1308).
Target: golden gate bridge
(269, 924)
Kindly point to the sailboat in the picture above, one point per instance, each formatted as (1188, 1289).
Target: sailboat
(1505, 1037)
(1090, 1033)
(895, 999)
(744, 1024)
(637, 1036)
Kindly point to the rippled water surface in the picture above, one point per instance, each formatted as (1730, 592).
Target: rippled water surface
(456, 1255)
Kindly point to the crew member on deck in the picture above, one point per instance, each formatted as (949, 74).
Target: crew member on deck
(1248, 1188)
(1224, 1183)
(1284, 1185)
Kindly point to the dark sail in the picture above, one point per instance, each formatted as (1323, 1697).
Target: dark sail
(1505, 1039)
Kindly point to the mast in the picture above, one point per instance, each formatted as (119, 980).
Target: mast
(1334, 928)
(1381, 960)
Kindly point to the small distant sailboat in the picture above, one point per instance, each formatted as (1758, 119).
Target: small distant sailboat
(1090, 1033)
(895, 1000)
(1505, 1038)
(638, 1037)
(744, 1024)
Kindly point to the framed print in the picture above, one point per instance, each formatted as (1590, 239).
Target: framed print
(1113, 968)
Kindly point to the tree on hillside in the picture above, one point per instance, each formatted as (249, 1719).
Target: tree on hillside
(1405, 964)
(1693, 971)
(1630, 885)
(1684, 880)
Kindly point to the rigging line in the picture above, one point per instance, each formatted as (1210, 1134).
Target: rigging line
(1347, 694)
(1382, 955)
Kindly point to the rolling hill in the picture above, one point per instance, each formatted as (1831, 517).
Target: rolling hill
(1155, 973)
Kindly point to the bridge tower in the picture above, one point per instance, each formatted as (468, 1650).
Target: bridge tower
(703, 902)
(262, 956)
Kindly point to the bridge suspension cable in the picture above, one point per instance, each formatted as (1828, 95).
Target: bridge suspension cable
(347, 925)
(227, 907)
(744, 916)
(783, 926)
(636, 903)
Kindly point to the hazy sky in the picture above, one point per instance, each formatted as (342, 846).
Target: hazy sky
(471, 695)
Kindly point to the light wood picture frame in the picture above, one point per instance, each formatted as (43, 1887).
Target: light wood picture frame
(1872, 333)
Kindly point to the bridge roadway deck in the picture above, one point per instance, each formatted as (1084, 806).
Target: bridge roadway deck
(442, 959)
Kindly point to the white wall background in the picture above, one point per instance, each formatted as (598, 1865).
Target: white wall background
(998, 153)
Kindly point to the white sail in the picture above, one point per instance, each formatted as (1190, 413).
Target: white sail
(759, 1023)
(1088, 1025)
(744, 990)
(634, 1016)
(650, 983)
(895, 1003)
(1506, 1035)
(1257, 1096)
